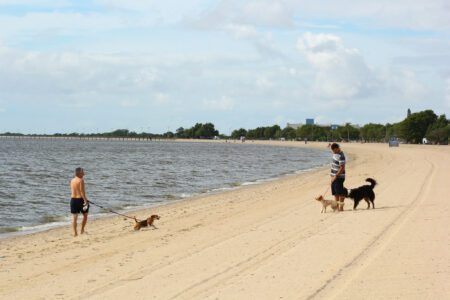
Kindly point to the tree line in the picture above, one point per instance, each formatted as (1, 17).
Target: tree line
(415, 127)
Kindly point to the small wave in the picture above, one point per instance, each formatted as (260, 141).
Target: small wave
(52, 219)
(9, 229)
(7, 196)
(249, 183)
(186, 195)
(170, 197)
(43, 227)
(222, 189)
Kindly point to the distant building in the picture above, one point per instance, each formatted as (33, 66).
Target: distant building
(294, 125)
(309, 121)
(327, 125)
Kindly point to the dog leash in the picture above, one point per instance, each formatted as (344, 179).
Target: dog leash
(326, 191)
(108, 209)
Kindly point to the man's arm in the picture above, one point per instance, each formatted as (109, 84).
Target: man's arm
(339, 172)
(83, 191)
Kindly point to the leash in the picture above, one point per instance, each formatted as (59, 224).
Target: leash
(108, 209)
(326, 191)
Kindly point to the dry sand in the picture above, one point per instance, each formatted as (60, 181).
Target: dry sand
(260, 242)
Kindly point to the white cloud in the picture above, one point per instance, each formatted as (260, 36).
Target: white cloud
(404, 85)
(267, 13)
(36, 3)
(255, 12)
(162, 98)
(264, 83)
(245, 50)
(447, 93)
(409, 14)
(222, 104)
(242, 30)
(341, 72)
(129, 103)
(243, 20)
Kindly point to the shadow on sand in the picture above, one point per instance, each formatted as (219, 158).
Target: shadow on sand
(361, 209)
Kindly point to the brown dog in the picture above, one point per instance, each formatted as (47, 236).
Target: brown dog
(146, 222)
(325, 203)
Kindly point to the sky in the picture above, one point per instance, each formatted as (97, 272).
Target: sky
(153, 66)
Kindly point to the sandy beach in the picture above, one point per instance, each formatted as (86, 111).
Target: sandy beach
(266, 241)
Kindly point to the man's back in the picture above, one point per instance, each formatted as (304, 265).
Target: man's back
(75, 186)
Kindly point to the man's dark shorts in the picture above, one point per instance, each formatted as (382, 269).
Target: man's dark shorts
(337, 187)
(76, 206)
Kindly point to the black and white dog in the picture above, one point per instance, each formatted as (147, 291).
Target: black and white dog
(363, 192)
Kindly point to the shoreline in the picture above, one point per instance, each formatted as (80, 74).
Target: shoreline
(39, 228)
(261, 241)
(102, 216)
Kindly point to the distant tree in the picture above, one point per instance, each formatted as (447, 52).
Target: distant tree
(196, 131)
(271, 132)
(180, 133)
(314, 133)
(236, 134)
(207, 131)
(288, 133)
(348, 132)
(408, 114)
(306, 132)
(438, 133)
(169, 135)
(278, 134)
(373, 132)
(414, 128)
(120, 133)
(202, 131)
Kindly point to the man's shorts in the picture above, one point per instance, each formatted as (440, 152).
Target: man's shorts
(76, 206)
(337, 187)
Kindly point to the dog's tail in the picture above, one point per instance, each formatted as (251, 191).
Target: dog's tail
(373, 183)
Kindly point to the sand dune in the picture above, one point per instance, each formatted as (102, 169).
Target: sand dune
(260, 242)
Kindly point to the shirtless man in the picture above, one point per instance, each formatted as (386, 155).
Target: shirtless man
(79, 200)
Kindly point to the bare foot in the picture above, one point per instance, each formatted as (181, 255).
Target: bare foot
(75, 234)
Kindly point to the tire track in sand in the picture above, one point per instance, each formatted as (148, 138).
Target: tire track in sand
(355, 266)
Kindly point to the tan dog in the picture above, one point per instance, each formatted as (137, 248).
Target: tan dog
(325, 203)
(146, 222)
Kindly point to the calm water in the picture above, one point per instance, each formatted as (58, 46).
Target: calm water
(35, 174)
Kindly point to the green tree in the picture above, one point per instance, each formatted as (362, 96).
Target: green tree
(236, 134)
(288, 133)
(204, 131)
(169, 135)
(373, 132)
(271, 132)
(348, 132)
(180, 133)
(414, 128)
(438, 133)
